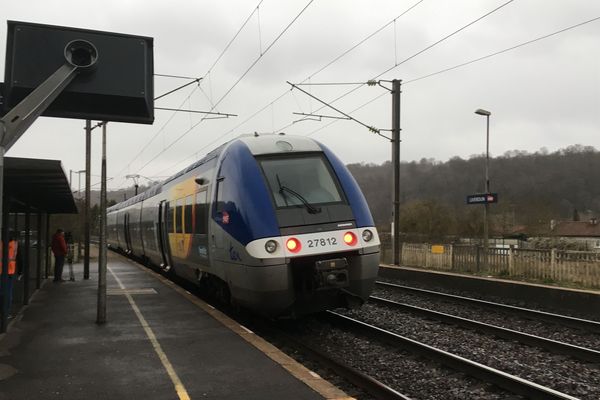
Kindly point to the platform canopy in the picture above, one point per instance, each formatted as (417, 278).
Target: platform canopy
(37, 185)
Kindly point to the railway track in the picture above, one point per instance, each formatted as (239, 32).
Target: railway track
(511, 383)
(578, 323)
(381, 387)
(364, 382)
(579, 352)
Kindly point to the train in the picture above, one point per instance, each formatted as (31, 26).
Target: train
(272, 223)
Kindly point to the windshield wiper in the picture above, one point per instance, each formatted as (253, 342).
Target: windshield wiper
(309, 207)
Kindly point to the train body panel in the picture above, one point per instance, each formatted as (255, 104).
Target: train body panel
(278, 220)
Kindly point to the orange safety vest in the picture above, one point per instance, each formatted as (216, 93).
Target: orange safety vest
(13, 245)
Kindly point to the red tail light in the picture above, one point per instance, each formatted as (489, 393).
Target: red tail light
(350, 238)
(293, 245)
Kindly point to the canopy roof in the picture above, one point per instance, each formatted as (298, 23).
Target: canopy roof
(40, 185)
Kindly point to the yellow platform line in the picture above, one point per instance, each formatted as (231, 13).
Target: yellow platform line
(179, 387)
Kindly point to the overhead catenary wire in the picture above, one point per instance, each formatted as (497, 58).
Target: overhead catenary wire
(370, 128)
(397, 64)
(283, 94)
(196, 80)
(468, 63)
(336, 59)
(175, 76)
(502, 51)
(235, 84)
(195, 88)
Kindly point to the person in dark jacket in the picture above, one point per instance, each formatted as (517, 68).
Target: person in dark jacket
(59, 249)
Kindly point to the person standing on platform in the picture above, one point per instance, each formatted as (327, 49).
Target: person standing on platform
(13, 268)
(59, 249)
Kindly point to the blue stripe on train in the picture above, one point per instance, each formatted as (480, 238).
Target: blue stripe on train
(246, 197)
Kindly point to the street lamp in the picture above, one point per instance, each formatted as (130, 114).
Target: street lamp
(487, 114)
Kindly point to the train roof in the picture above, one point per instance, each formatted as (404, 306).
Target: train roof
(258, 145)
(279, 143)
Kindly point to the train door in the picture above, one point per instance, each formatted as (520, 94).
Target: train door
(162, 230)
(221, 218)
(126, 231)
(176, 236)
(200, 216)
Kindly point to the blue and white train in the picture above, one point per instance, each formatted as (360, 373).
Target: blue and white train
(273, 223)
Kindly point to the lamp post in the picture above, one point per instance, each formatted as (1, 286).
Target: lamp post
(487, 114)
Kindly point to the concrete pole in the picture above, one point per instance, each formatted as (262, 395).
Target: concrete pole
(88, 155)
(101, 315)
(38, 260)
(396, 166)
(47, 245)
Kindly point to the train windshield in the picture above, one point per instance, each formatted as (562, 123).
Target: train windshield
(301, 181)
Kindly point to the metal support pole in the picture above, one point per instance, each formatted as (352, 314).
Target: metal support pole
(25, 257)
(101, 315)
(38, 263)
(46, 245)
(4, 230)
(396, 166)
(486, 244)
(88, 152)
(81, 220)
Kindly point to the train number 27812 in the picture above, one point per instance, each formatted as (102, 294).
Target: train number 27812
(322, 242)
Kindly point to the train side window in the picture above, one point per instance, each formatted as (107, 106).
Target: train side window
(171, 219)
(201, 217)
(178, 216)
(188, 216)
(220, 205)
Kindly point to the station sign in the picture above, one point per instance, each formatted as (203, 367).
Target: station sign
(483, 198)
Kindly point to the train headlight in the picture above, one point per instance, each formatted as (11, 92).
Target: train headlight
(367, 235)
(350, 238)
(271, 246)
(293, 245)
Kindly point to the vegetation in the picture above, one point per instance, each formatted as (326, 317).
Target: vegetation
(533, 189)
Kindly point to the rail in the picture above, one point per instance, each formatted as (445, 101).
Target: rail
(579, 352)
(502, 379)
(564, 320)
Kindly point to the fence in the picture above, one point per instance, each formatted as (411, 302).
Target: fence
(576, 267)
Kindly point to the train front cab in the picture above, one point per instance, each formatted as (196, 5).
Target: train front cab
(317, 247)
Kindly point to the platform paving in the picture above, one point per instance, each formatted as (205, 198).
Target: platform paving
(55, 350)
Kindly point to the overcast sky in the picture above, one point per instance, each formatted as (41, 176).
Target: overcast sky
(546, 94)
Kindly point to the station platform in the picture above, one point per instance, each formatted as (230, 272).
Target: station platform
(159, 342)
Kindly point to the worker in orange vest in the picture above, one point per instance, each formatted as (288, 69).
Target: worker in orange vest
(13, 269)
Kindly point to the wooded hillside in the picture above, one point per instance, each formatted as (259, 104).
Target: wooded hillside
(533, 189)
